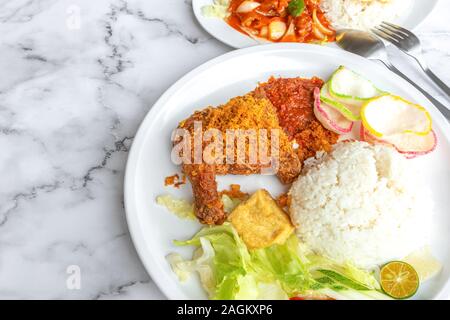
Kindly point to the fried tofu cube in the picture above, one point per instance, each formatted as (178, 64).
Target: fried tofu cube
(261, 222)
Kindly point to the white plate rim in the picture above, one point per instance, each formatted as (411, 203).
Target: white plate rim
(237, 40)
(130, 208)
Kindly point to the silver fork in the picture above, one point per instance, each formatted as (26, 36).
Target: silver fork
(409, 43)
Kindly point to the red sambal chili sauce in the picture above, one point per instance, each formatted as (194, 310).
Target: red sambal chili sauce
(293, 98)
(281, 20)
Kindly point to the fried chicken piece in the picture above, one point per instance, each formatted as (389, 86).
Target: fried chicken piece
(294, 100)
(241, 113)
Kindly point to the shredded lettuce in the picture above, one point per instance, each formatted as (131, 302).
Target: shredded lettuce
(185, 209)
(219, 9)
(230, 260)
(283, 264)
(202, 263)
(229, 203)
(229, 271)
(180, 207)
(235, 273)
(315, 262)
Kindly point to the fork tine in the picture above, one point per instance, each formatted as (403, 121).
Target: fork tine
(399, 33)
(385, 36)
(398, 28)
(390, 33)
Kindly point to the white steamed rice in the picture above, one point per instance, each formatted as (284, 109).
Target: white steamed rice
(363, 14)
(361, 204)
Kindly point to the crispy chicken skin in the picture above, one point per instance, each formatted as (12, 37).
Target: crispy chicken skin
(280, 103)
(243, 113)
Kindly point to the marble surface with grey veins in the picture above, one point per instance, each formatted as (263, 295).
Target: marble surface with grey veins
(77, 78)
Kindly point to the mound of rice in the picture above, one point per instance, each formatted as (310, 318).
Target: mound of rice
(361, 204)
(363, 14)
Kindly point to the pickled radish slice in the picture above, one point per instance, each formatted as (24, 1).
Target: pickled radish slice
(351, 111)
(410, 145)
(330, 117)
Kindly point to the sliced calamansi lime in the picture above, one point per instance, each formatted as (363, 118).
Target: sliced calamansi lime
(399, 280)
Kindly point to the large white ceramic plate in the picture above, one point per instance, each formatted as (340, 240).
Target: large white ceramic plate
(220, 30)
(153, 228)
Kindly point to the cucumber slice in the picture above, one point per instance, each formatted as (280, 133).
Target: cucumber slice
(351, 111)
(349, 86)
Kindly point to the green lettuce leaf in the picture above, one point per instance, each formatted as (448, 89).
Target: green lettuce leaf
(282, 263)
(237, 274)
(228, 270)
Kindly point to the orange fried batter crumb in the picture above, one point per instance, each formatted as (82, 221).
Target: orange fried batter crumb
(243, 113)
(175, 180)
(313, 139)
(169, 181)
(283, 200)
(235, 192)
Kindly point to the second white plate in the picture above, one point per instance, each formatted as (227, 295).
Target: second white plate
(220, 30)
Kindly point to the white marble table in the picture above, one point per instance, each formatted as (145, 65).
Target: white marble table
(76, 79)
